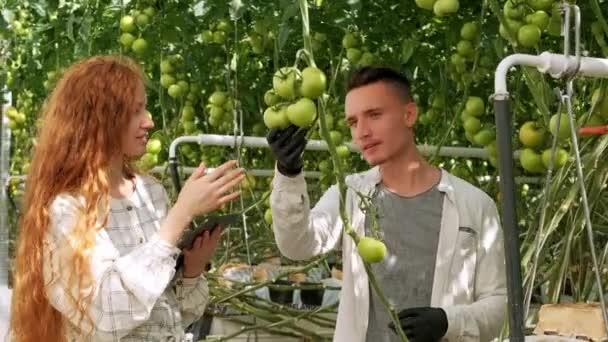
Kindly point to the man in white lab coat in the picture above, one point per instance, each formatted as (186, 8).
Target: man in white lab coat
(444, 270)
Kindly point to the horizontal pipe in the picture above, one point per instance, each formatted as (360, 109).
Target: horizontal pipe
(315, 174)
(313, 145)
(556, 65)
(188, 170)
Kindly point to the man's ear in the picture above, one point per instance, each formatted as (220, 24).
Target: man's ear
(410, 114)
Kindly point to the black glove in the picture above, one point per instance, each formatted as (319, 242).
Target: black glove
(423, 324)
(287, 146)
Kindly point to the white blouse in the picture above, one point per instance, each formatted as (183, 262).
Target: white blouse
(136, 293)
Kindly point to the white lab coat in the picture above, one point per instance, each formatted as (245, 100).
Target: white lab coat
(469, 278)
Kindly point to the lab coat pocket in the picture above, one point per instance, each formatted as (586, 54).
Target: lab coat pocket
(464, 265)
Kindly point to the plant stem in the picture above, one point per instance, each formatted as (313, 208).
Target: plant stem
(340, 175)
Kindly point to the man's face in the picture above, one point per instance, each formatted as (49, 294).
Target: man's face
(380, 121)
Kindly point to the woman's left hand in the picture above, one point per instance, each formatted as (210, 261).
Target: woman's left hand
(203, 249)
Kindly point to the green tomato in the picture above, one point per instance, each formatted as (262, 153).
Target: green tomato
(544, 5)
(563, 132)
(531, 161)
(188, 113)
(528, 35)
(219, 37)
(270, 98)
(218, 98)
(127, 24)
(207, 37)
(268, 216)
(475, 106)
(353, 55)
(513, 9)
(150, 11)
(532, 135)
(472, 125)
(538, 18)
(370, 249)
(276, 118)
(142, 20)
(342, 151)
(336, 137)
(561, 157)
(465, 48)
(154, 146)
(175, 91)
(166, 80)
(446, 7)
(166, 67)
(127, 39)
(284, 82)
(426, 4)
(350, 41)
(469, 31)
(484, 137)
(139, 46)
(314, 82)
(302, 113)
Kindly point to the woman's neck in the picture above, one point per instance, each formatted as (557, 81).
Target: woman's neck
(121, 186)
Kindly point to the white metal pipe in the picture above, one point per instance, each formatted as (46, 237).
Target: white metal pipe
(314, 145)
(500, 79)
(179, 140)
(459, 152)
(556, 65)
(188, 170)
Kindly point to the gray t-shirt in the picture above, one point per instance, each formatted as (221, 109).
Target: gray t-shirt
(409, 226)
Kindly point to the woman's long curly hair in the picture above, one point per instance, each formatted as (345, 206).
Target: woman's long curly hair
(82, 122)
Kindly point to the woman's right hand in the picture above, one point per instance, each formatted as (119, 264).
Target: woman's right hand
(202, 194)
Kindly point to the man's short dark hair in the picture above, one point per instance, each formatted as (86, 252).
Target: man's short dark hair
(369, 74)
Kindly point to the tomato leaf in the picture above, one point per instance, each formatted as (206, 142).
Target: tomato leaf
(407, 49)
(289, 11)
(70, 27)
(284, 33)
(40, 8)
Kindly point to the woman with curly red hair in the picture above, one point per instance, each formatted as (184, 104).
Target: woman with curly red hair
(97, 241)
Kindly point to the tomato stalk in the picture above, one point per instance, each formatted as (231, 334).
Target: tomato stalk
(336, 160)
(279, 318)
(306, 32)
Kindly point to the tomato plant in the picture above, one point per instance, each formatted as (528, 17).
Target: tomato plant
(217, 67)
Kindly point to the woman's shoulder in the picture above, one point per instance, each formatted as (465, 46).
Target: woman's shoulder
(63, 213)
(152, 185)
(64, 204)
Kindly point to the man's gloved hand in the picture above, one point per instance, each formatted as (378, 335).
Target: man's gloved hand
(287, 146)
(423, 324)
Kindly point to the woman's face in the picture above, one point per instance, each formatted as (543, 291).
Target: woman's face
(136, 135)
